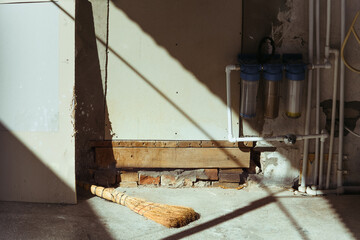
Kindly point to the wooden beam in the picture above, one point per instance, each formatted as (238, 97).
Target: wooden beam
(139, 157)
(165, 144)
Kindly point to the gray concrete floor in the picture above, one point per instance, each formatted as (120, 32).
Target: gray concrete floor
(250, 213)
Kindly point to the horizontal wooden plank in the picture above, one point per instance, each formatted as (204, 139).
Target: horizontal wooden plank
(172, 157)
(164, 144)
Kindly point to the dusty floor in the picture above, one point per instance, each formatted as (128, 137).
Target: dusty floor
(251, 213)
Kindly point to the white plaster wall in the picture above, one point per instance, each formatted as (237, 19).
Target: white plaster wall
(37, 162)
(166, 79)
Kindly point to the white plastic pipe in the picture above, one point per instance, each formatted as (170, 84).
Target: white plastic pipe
(317, 112)
(333, 115)
(280, 138)
(228, 70)
(328, 24)
(302, 187)
(341, 100)
(321, 167)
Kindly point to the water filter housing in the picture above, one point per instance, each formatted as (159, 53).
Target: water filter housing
(272, 74)
(295, 75)
(250, 76)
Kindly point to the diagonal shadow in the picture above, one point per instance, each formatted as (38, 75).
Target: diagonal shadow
(237, 213)
(25, 178)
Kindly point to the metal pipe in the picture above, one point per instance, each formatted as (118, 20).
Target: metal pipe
(333, 115)
(302, 187)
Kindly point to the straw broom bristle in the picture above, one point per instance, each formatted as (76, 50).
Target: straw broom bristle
(168, 215)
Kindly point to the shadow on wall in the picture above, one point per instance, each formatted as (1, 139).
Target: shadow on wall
(203, 36)
(23, 177)
(91, 108)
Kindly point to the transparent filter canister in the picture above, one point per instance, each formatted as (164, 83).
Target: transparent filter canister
(250, 76)
(273, 74)
(295, 75)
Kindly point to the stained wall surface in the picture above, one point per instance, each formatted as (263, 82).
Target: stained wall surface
(286, 21)
(37, 146)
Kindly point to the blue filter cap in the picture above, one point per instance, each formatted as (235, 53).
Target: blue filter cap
(295, 71)
(250, 68)
(273, 72)
(250, 72)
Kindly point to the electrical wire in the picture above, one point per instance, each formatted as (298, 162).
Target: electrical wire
(351, 30)
(353, 133)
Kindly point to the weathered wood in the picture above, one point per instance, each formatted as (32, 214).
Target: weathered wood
(164, 144)
(232, 170)
(172, 157)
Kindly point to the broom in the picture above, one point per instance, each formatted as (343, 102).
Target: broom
(168, 215)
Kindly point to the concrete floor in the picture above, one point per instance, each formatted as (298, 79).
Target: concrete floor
(250, 213)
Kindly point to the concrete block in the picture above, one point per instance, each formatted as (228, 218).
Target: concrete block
(207, 174)
(202, 184)
(128, 184)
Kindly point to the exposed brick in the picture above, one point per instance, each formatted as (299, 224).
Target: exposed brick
(145, 180)
(207, 174)
(128, 184)
(225, 184)
(178, 178)
(151, 173)
(129, 176)
(188, 183)
(191, 175)
(229, 177)
(168, 180)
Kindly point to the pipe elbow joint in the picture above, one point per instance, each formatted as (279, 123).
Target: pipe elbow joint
(325, 135)
(327, 64)
(231, 139)
(230, 68)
